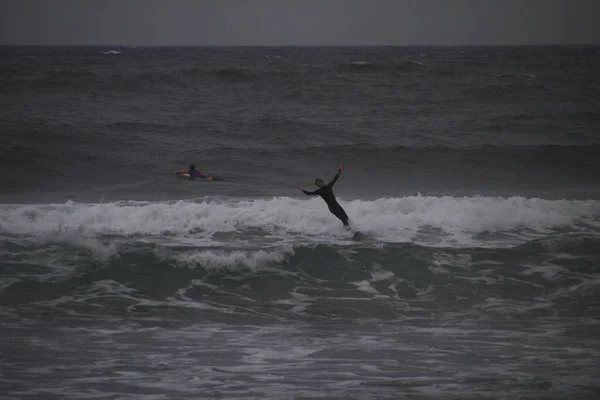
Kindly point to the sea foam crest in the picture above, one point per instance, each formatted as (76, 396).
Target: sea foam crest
(227, 259)
(386, 219)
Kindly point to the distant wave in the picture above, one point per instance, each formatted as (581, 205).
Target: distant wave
(365, 146)
(64, 78)
(516, 75)
(418, 63)
(141, 126)
(111, 52)
(366, 150)
(494, 90)
(225, 74)
(359, 66)
(233, 74)
(308, 78)
(230, 74)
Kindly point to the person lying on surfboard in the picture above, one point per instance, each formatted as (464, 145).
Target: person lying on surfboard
(193, 173)
(326, 193)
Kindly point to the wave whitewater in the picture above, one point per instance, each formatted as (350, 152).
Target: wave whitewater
(448, 221)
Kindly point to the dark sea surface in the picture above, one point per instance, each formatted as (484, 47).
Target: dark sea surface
(473, 172)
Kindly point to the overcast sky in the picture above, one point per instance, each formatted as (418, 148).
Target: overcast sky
(299, 22)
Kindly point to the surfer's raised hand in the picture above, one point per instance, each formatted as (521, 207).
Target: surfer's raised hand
(299, 187)
(340, 168)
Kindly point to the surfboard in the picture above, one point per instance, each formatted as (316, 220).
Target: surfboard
(358, 235)
(185, 175)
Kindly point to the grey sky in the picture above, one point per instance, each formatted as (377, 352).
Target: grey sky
(299, 22)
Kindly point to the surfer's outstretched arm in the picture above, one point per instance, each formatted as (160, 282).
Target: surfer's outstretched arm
(307, 192)
(335, 178)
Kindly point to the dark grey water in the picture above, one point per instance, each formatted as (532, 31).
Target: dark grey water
(473, 173)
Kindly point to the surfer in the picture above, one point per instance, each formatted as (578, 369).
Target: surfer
(326, 193)
(192, 172)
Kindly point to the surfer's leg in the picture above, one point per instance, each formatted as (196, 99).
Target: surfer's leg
(340, 213)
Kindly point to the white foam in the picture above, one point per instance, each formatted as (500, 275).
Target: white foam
(365, 286)
(381, 275)
(434, 220)
(109, 287)
(111, 52)
(299, 302)
(261, 355)
(459, 219)
(227, 259)
(371, 368)
(548, 271)
(438, 270)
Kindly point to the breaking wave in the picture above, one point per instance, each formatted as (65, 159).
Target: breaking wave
(445, 221)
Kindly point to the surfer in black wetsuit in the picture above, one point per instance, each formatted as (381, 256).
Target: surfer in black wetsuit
(326, 192)
(193, 173)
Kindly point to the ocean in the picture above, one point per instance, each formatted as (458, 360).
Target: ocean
(473, 173)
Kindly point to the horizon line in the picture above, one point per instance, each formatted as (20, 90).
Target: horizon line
(298, 45)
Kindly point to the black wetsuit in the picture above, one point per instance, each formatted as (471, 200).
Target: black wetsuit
(327, 194)
(194, 173)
